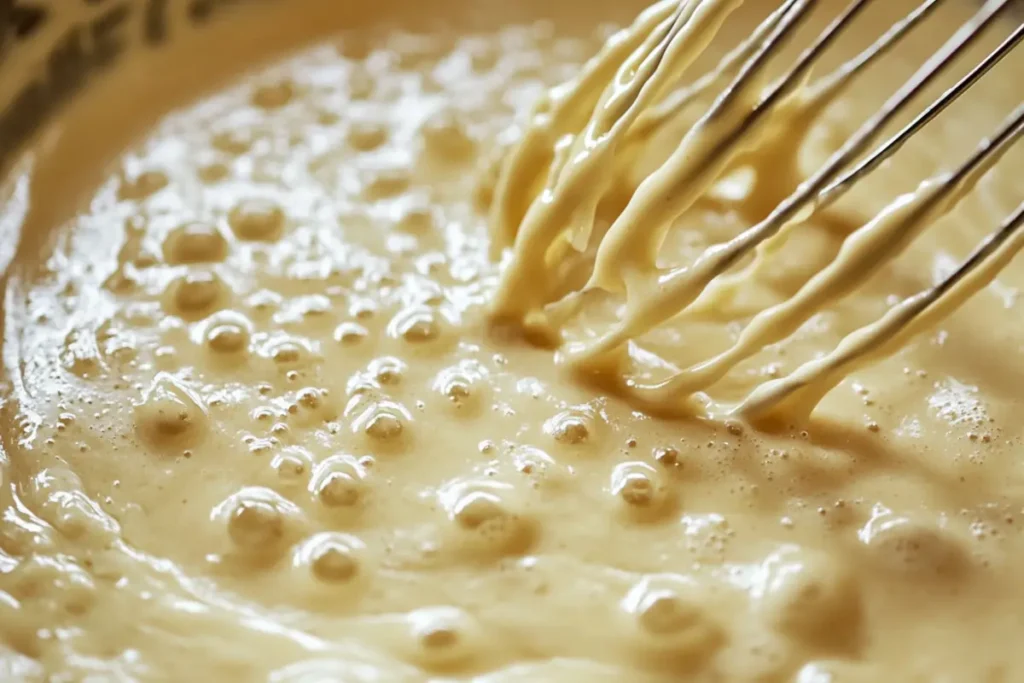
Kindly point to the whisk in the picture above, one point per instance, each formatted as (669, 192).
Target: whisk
(549, 189)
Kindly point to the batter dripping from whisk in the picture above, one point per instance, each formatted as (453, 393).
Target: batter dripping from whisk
(566, 164)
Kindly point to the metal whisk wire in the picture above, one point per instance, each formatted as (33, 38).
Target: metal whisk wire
(822, 189)
(685, 284)
(707, 279)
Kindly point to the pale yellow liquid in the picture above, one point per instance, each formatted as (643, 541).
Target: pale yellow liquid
(258, 427)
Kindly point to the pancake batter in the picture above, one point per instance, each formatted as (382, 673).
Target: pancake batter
(258, 424)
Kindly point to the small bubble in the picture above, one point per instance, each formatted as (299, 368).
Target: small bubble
(261, 446)
(262, 415)
(809, 595)
(570, 427)
(255, 524)
(313, 307)
(170, 410)
(667, 456)
(213, 173)
(486, 522)
(388, 370)
(477, 508)
(292, 465)
(416, 325)
(417, 220)
(289, 353)
(664, 613)
(457, 390)
(384, 426)
(338, 482)
(362, 309)
(443, 637)
(233, 141)
(259, 220)
(335, 558)
(338, 489)
(913, 547)
(539, 466)
(227, 332)
(257, 519)
(635, 488)
(387, 182)
(669, 616)
(439, 637)
(274, 95)
(365, 136)
(309, 398)
(446, 138)
(228, 338)
(350, 333)
(263, 302)
(197, 293)
(327, 118)
(195, 242)
(461, 385)
(639, 487)
(363, 389)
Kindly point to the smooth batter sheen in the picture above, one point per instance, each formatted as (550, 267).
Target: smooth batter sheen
(259, 425)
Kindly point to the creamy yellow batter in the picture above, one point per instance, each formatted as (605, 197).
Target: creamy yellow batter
(746, 126)
(258, 423)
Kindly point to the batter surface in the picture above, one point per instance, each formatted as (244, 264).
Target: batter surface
(257, 424)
